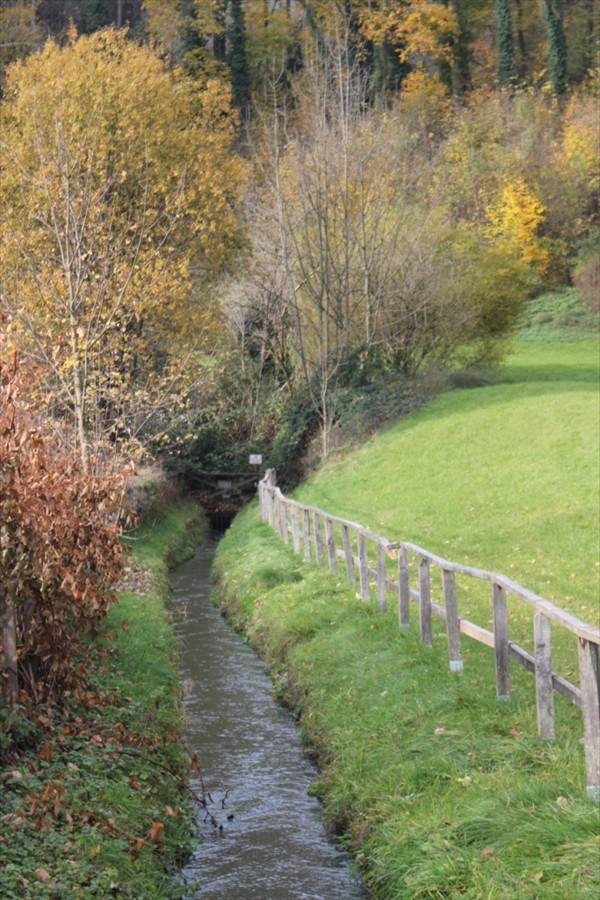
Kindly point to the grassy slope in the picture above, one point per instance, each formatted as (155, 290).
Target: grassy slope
(444, 791)
(110, 772)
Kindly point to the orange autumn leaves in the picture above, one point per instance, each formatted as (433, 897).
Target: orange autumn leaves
(422, 28)
(60, 553)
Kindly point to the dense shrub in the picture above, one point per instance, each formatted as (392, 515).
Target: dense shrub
(60, 553)
(147, 491)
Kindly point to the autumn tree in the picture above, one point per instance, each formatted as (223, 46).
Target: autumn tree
(60, 548)
(94, 15)
(422, 31)
(119, 196)
(516, 218)
(20, 31)
(353, 254)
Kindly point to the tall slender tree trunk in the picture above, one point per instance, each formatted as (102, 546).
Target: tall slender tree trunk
(79, 398)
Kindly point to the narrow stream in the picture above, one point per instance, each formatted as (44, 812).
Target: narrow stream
(269, 842)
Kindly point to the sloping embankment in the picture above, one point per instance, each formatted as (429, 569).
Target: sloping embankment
(442, 791)
(93, 806)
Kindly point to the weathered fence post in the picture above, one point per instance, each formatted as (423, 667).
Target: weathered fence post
(403, 589)
(500, 613)
(589, 670)
(295, 529)
(283, 522)
(266, 496)
(318, 539)
(381, 577)
(425, 601)
(331, 546)
(544, 689)
(452, 622)
(363, 566)
(261, 500)
(306, 534)
(349, 556)
(277, 514)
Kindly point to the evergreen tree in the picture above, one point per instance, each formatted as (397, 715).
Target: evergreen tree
(94, 15)
(557, 46)
(237, 56)
(461, 63)
(507, 73)
(387, 71)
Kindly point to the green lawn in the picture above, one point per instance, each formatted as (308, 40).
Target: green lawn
(442, 790)
(557, 315)
(504, 477)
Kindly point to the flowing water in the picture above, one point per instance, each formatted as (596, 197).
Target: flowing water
(262, 837)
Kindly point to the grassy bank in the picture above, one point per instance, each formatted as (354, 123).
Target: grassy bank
(92, 804)
(503, 477)
(443, 791)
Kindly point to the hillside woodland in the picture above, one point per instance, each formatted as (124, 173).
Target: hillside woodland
(231, 226)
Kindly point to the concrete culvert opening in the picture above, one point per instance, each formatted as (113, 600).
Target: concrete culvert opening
(220, 520)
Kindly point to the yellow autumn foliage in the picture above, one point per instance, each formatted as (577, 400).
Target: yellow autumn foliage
(581, 136)
(424, 102)
(118, 205)
(422, 28)
(164, 20)
(515, 219)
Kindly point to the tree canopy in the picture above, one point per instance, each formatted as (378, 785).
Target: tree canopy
(118, 181)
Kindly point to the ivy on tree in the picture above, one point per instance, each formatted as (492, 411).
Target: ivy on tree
(507, 73)
(557, 45)
(93, 16)
(237, 55)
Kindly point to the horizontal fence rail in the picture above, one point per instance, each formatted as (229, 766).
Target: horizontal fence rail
(311, 531)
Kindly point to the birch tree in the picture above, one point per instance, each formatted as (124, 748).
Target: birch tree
(118, 191)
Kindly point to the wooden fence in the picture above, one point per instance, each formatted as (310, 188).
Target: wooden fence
(312, 533)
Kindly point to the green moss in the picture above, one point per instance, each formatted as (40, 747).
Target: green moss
(115, 753)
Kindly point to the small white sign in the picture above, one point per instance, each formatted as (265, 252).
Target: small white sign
(255, 459)
(224, 485)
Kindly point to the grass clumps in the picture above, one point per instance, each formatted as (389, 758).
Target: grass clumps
(92, 801)
(558, 315)
(441, 790)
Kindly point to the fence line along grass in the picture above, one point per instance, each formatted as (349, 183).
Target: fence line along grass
(314, 532)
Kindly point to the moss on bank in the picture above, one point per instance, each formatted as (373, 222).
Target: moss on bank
(92, 806)
(441, 790)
